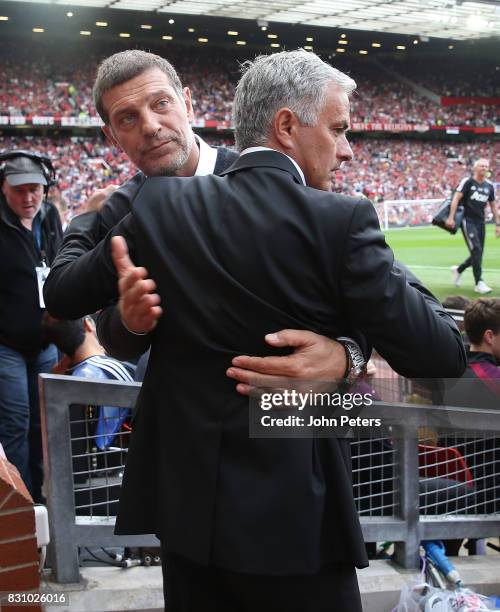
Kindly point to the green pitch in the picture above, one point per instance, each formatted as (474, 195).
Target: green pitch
(430, 252)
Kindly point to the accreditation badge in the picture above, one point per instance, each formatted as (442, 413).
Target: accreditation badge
(41, 276)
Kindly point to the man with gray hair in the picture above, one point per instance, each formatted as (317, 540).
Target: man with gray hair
(147, 113)
(474, 193)
(257, 523)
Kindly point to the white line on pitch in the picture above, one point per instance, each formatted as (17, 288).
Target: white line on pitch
(419, 267)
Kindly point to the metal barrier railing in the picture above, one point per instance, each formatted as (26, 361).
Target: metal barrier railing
(405, 490)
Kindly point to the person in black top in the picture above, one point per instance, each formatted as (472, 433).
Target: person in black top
(245, 523)
(30, 233)
(147, 113)
(474, 192)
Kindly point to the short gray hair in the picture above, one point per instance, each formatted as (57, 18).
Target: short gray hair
(125, 65)
(294, 79)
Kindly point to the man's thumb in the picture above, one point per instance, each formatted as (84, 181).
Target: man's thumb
(289, 337)
(119, 252)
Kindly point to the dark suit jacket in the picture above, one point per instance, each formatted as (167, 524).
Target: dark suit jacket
(84, 232)
(235, 258)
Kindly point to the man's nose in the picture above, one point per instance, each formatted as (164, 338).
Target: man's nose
(150, 124)
(344, 151)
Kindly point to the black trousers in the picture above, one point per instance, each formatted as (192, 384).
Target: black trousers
(189, 587)
(474, 234)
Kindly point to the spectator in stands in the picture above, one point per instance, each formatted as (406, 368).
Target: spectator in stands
(456, 305)
(482, 324)
(474, 193)
(480, 388)
(30, 233)
(98, 444)
(85, 357)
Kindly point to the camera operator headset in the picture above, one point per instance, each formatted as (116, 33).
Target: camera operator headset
(25, 167)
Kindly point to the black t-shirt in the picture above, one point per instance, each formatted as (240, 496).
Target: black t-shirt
(475, 197)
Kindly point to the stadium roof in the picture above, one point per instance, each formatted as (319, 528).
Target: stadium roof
(450, 19)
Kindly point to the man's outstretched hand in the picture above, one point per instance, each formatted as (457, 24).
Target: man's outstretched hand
(139, 305)
(314, 357)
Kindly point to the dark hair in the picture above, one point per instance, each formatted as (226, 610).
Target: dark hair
(68, 336)
(125, 65)
(481, 315)
(456, 302)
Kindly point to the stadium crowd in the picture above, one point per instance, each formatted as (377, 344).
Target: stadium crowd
(382, 169)
(40, 85)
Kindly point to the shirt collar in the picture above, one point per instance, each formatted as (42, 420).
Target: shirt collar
(255, 149)
(208, 157)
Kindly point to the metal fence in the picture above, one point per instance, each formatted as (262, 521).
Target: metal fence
(411, 483)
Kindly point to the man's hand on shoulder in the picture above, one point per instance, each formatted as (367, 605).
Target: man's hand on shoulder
(96, 201)
(139, 305)
(314, 357)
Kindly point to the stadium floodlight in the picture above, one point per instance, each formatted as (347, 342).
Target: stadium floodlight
(476, 22)
(478, 3)
(4, 18)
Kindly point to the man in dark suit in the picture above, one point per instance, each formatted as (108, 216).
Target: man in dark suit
(147, 113)
(259, 524)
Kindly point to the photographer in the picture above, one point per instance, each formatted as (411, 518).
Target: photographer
(30, 234)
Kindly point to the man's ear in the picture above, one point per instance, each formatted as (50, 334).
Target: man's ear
(189, 103)
(109, 135)
(88, 325)
(489, 337)
(285, 125)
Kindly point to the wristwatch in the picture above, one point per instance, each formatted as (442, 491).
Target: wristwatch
(356, 364)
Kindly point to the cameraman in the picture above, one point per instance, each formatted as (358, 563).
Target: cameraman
(30, 234)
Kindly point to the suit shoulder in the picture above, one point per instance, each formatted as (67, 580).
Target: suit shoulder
(174, 189)
(334, 202)
(120, 201)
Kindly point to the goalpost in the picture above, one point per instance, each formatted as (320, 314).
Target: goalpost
(407, 213)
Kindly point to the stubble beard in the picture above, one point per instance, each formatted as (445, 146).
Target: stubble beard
(178, 160)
